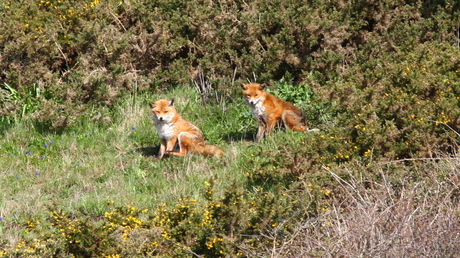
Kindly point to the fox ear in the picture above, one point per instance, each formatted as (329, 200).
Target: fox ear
(244, 86)
(171, 102)
(262, 86)
(152, 105)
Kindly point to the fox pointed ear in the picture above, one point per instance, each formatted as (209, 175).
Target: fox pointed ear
(152, 105)
(262, 86)
(244, 86)
(171, 102)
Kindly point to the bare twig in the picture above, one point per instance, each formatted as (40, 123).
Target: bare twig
(62, 53)
(418, 159)
(458, 134)
(186, 249)
(234, 76)
(203, 86)
(117, 20)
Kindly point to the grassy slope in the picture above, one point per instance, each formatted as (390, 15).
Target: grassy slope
(404, 210)
(84, 168)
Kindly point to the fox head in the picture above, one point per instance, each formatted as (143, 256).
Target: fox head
(253, 93)
(163, 111)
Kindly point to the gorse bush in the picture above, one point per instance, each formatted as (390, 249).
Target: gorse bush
(379, 78)
(82, 54)
(401, 115)
(230, 225)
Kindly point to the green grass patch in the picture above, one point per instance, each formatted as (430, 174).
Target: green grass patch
(98, 189)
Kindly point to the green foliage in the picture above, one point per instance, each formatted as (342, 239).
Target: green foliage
(303, 96)
(379, 78)
(26, 101)
(297, 94)
(400, 114)
(87, 54)
(219, 227)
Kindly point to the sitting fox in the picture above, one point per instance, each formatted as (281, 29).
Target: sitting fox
(173, 129)
(270, 110)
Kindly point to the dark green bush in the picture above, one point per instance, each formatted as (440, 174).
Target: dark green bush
(90, 53)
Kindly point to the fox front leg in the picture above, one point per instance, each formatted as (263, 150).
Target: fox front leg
(260, 133)
(185, 141)
(262, 128)
(170, 150)
(270, 125)
(162, 150)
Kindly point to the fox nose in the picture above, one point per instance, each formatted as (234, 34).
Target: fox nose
(160, 118)
(251, 102)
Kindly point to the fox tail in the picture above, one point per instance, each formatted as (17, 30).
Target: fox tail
(212, 150)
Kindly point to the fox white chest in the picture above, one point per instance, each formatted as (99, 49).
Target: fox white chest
(165, 130)
(258, 109)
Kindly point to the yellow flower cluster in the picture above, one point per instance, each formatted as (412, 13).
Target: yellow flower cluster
(27, 248)
(317, 188)
(320, 193)
(162, 226)
(210, 244)
(367, 152)
(207, 219)
(66, 226)
(67, 10)
(444, 118)
(127, 219)
(94, 3)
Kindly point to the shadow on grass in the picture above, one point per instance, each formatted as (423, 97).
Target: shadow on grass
(149, 151)
(41, 128)
(5, 126)
(240, 136)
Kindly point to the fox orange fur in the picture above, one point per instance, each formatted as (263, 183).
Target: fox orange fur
(270, 110)
(174, 131)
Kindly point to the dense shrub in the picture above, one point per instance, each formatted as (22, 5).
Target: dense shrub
(81, 54)
(379, 78)
(234, 224)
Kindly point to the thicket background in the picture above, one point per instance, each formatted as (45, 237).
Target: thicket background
(379, 78)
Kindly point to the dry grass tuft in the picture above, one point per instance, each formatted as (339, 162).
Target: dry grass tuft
(385, 219)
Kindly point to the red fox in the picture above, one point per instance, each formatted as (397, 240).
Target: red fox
(173, 129)
(270, 110)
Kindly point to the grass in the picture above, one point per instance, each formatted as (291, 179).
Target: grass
(84, 168)
(356, 209)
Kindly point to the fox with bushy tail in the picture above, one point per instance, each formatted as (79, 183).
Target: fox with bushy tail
(270, 110)
(179, 136)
